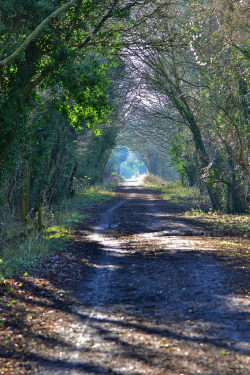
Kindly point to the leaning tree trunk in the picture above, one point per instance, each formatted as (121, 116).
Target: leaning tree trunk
(181, 104)
(202, 152)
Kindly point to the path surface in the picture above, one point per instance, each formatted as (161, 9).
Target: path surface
(152, 301)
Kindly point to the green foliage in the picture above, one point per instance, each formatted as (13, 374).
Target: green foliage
(59, 60)
(95, 152)
(183, 156)
(85, 86)
(58, 85)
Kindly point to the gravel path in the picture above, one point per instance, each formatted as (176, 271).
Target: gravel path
(151, 301)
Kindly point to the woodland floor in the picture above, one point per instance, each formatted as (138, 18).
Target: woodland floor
(141, 290)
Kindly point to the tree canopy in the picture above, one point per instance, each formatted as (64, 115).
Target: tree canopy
(169, 79)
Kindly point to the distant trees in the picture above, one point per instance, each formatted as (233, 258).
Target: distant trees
(148, 137)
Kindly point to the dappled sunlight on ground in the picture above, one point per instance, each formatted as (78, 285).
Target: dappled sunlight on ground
(143, 291)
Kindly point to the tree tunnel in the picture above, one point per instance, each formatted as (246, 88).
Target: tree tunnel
(125, 164)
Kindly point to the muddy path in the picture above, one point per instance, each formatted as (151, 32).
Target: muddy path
(154, 298)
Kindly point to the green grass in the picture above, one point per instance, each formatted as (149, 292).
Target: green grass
(174, 192)
(21, 250)
(58, 233)
(22, 255)
(83, 199)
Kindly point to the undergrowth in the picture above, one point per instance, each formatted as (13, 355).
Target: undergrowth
(234, 223)
(175, 192)
(22, 248)
(197, 207)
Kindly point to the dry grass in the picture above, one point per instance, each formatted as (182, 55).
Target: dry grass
(175, 193)
(21, 247)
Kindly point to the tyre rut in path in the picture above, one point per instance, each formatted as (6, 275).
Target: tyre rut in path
(151, 302)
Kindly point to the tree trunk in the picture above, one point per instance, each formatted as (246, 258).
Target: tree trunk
(25, 195)
(214, 196)
(203, 156)
(237, 202)
(71, 179)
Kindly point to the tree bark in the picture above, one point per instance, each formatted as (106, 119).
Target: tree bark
(25, 195)
(71, 179)
(200, 148)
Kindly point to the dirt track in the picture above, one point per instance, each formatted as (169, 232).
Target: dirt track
(153, 299)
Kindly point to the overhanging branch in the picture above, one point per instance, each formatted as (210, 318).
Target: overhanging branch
(33, 35)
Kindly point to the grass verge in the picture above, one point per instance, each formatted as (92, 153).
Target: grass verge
(221, 222)
(21, 250)
(192, 201)
(175, 193)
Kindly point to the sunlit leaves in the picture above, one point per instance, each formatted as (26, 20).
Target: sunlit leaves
(84, 91)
